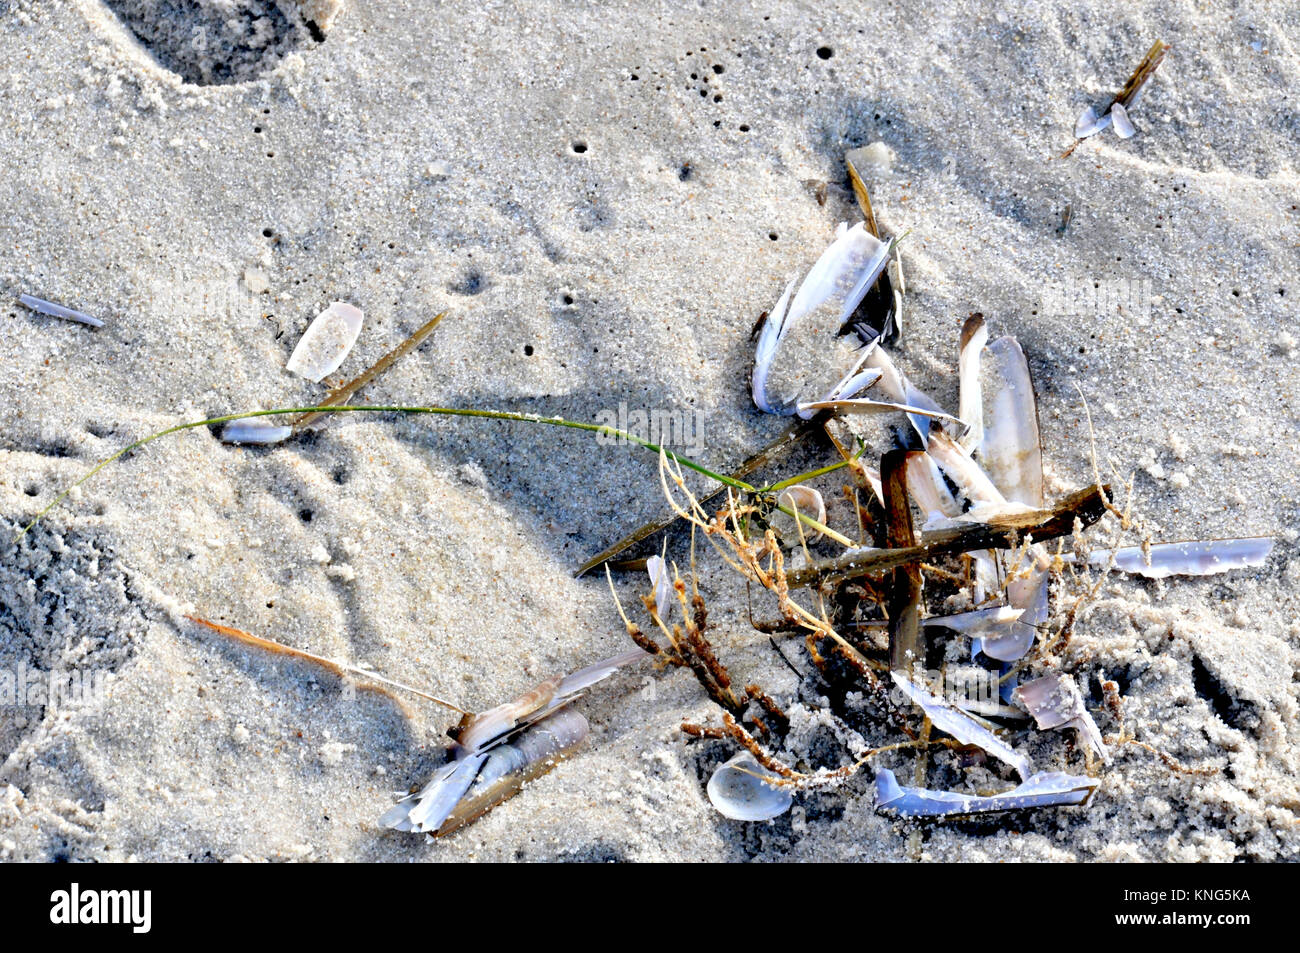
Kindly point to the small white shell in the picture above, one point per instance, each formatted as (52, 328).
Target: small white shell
(327, 342)
(1088, 123)
(1123, 126)
(258, 430)
(805, 501)
(737, 791)
(662, 582)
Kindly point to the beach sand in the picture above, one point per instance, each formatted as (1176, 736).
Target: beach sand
(606, 199)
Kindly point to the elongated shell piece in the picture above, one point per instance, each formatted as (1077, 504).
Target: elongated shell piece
(255, 430)
(970, 401)
(509, 767)
(976, 620)
(1088, 124)
(327, 341)
(586, 677)
(1046, 789)
(737, 790)
(1195, 558)
(41, 306)
(1123, 126)
(926, 486)
(477, 731)
(427, 810)
(1011, 450)
(969, 476)
(662, 583)
(947, 717)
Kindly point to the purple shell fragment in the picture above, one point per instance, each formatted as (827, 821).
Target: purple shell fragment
(1047, 789)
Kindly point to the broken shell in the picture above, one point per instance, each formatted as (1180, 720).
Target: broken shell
(1046, 789)
(1196, 558)
(326, 342)
(1123, 126)
(791, 358)
(1055, 702)
(1089, 125)
(255, 430)
(948, 717)
(737, 790)
(970, 401)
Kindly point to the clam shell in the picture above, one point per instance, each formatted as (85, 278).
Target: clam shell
(257, 430)
(327, 341)
(1123, 125)
(737, 791)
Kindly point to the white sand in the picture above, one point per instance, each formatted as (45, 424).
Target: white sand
(427, 157)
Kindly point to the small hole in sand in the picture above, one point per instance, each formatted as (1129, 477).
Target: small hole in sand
(825, 52)
(579, 147)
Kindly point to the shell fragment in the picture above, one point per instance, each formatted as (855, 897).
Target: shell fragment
(327, 342)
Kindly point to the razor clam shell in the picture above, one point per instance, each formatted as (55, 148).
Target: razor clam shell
(1123, 125)
(1203, 557)
(969, 477)
(662, 584)
(976, 620)
(509, 767)
(478, 731)
(900, 390)
(735, 792)
(1046, 789)
(947, 717)
(1088, 124)
(255, 430)
(427, 810)
(41, 306)
(804, 355)
(862, 405)
(326, 342)
(927, 488)
(1030, 594)
(1011, 450)
(970, 401)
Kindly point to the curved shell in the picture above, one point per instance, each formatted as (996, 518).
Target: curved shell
(737, 791)
(805, 501)
(657, 569)
(800, 354)
(327, 341)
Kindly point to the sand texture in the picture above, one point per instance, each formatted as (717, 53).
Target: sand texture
(606, 197)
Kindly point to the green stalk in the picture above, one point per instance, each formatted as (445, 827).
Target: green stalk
(443, 411)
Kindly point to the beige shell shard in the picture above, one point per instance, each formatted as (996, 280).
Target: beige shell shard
(327, 342)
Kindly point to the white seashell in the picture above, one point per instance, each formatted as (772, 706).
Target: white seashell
(1010, 450)
(947, 717)
(1046, 789)
(805, 501)
(927, 488)
(965, 473)
(662, 583)
(737, 791)
(1123, 126)
(900, 390)
(255, 430)
(1088, 124)
(1196, 558)
(327, 341)
(41, 306)
(970, 402)
(798, 349)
